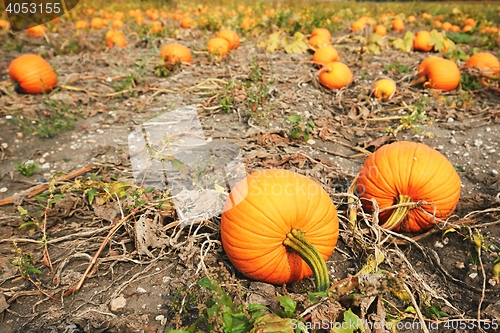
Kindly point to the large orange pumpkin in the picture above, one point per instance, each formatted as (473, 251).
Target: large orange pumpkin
(438, 73)
(279, 227)
(32, 74)
(335, 75)
(484, 61)
(405, 172)
(173, 53)
(325, 55)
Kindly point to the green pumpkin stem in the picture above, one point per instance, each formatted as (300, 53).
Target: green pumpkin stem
(398, 214)
(296, 241)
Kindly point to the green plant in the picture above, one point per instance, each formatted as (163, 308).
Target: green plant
(257, 89)
(397, 68)
(23, 262)
(226, 96)
(469, 82)
(300, 127)
(412, 120)
(27, 168)
(128, 83)
(57, 119)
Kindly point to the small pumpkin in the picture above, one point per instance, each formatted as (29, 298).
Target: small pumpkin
(37, 31)
(398, 24)
(156, 27)
(384, 88)
(97, 23)
(117, 24)
(319, 41)
(174, 53)
(406, 172)
(232, 38)
(32, 74)
(81, 25)
(321, 32)
(325, 55)
(484, 61)
(279, 227)
(4, 25)
(186, 22)
(358, 25)
(335, 75)
(446, 26)
(218, 46)
(380, 29)
(421, 41)
(115, 37)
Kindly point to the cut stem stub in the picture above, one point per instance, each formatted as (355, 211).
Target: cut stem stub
(398, 214)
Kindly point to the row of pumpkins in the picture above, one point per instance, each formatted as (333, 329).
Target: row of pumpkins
(279, 227)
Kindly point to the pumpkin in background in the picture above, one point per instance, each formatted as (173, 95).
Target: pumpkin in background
(319, 41)
(156, 27)
(438, 73)
(279, 227)
(186, 22)
(384, 88)
(321, 32)
(218, 46)
(37, 31)
(335, 75)
(405, 172)
(232, 38)
(325, 55)
(117, 24)
(97, 23)
(4, 25)
(115, 37)
(380, 29)
(398, 24)
(81, 25)
(32, 74)
(484, 61)
(421, 41)
(174, 53)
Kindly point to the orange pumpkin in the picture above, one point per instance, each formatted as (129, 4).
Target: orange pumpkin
(380, 29)
(187, 22)
(174, 53)
(384, 88)
(97, 23)
(117, 24)
(325, 55)
(321, 32)
(232, 38)
(421, 41)
(438, 73)
(319, 41)
(484, 61)
(32, 74)
(446, 26)
(218, 46)
(335, 75)
(156, 27)
(37, 31)
(4, 24)
(405, 172)
(81, 25)
(270, 218)
(115, 37)
(398, 24)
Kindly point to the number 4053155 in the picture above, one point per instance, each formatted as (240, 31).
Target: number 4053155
(33, 8)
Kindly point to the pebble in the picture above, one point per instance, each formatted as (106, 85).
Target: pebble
(3, 189)
(459, 265)
(100, 131)
(438, 244)
(141, 290)
(5, 145)
(310, 141)
(440, 147)
(41, 160)
(46, 166)
(478, 143)
(494, 172)
(45, 155)
(492, 282)
(453, 141)
(118, 303)
(91, 141)
(472, 275)
(488, 129)
(159, 317)
(8, 117)
(450, 120)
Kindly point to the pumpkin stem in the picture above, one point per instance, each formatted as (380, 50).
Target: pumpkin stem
(420, 79)
(296, 241)
(399, 213)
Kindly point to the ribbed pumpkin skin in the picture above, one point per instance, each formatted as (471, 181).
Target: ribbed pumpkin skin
(261, 210)
(325, 55)
(422, 40)
(483, 61)
(32, 74)
(218, 46)
(174, 52)
(232, 38)
(442, 75)
(321, 32)
(412, 169)
(335, 75)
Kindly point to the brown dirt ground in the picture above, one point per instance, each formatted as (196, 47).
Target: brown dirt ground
(344, 122)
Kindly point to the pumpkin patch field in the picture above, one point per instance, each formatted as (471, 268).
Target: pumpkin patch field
(274, 166)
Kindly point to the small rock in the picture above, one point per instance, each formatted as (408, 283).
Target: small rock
(141, 290)
(41, 160)
(472, 275)
(492, 282)
(3, 189)
(440, 147)
(453, 141)
(478, 142)
(310, 141)
(494, 172)
(8, 117)
(488, 129)
(438, 244)
(46, 166)
(46, 154)
(159, 317)
(450, 120)
(446, 240)
(166, 279)
(118, 303)
(459, 265)
(5, 145)
(91, 141)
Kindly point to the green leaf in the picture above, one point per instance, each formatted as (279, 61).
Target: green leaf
(22, 211)
(31, 269)
(287, 303)
(256, 307)
(405, 44)
(272, 323)
(91, 194)
(294, 118)
(317, 296)
(178, 164)
(410, 309)
(27, 224)
(353, 320)
(207, 284)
